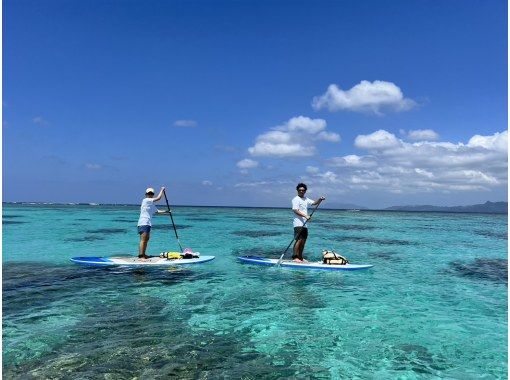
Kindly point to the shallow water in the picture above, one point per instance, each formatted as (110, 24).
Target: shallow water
(434, 305)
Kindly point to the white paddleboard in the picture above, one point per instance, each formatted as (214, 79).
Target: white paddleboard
(135, 261)
(293, 265)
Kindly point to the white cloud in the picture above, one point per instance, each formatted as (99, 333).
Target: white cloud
(312, 169)
(377, 141)
(498, 142)
(185, 123)
(352, 160)
(281, 150)
(400, 167)
(247, 164)
(206, 183)
(275, 137)
(93, 166)
(252, 184)
(305, 124)
(422, 135)
(39, 120)
(328, 177)
(474, 176)
(295, 138)
(368, 97)
(328, 136)
(424, 173)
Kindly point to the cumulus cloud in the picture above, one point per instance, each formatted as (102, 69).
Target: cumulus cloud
(328, 136)
(377, 140)
(305, 124)
(498, 142)
(206, 183)
(396, 166)
(264, 148)
(353, 161)
(185, 123)
(420, 135)
(247, 164)
(294, 138)
(366, 97)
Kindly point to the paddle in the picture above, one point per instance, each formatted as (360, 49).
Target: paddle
(295, 236)
(171, 217)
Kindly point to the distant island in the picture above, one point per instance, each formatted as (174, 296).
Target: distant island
(487, 207)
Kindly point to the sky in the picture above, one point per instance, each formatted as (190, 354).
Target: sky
(233, 103)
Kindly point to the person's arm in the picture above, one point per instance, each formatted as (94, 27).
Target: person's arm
(159, 212)
(318, 201)
(299, 213)
(159, 195)
(295, 208)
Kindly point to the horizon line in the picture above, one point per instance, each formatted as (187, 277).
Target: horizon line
(357, 209)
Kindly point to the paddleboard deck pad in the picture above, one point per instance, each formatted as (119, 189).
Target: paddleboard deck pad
(135, 261)
(293, 265)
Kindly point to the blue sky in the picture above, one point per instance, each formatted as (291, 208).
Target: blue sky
(233, 103)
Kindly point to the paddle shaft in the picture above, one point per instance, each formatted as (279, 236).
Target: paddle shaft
(296, 235)
(171, 217)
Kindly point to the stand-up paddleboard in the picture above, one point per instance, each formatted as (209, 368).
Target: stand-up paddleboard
(293, 265)
(135, 261)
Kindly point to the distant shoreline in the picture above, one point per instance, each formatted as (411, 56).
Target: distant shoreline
(413, 209)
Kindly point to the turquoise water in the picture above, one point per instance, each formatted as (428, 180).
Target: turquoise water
(433, 306)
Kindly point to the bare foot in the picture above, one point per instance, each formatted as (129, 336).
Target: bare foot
(143, 257)
(297, 261)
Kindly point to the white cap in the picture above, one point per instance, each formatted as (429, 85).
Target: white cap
(149, 190)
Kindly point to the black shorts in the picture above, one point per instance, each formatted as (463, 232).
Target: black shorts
(303, 235)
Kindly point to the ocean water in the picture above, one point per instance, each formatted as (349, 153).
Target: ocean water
(433, 306)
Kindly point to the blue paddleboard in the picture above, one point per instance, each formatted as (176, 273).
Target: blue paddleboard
(293, 265)
(135, 261)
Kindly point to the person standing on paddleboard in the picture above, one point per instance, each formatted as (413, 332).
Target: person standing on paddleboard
(300, 205)
(147, 210)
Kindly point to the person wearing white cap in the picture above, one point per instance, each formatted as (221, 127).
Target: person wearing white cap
(147, 210)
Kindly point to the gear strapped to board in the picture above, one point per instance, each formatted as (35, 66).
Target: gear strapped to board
(333, 258)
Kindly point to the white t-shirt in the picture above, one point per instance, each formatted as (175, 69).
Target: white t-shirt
(147, 210)
(300, 204)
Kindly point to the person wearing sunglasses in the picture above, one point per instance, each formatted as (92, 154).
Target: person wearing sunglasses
(300, 205)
